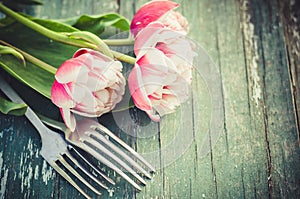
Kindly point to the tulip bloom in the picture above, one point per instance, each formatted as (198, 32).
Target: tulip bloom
(89, 84)
(155, 85)
(162, 74)
(162, 11)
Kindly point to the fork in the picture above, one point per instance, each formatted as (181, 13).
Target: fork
(56, 151)
(93, 138)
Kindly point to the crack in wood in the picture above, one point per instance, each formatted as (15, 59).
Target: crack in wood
(243, 183)
(294, 94)
(213, 167)
(222, 88)
(266, 131)
(250, 42)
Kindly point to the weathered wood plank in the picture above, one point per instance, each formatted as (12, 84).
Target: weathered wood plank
(279, 121)
(257, 156)
(23, 172)
(290, 15)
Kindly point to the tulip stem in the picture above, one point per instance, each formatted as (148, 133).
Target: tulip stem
(80, 39)
(33, 59)
(60, 37)
(123, 57)
(119, 42)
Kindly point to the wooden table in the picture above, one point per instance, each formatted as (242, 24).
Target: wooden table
(249, 150)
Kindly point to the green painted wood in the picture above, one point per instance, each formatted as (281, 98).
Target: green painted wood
(255, 48)
(290, 15)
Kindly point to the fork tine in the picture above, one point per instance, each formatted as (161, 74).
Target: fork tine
(96, 144)
(119, 151)
(105, 161)
(101, 129)
(86, 171)
(69, 179)
(75, 173)
(92, 166)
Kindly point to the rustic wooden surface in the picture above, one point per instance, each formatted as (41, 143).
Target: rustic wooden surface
(256, 48)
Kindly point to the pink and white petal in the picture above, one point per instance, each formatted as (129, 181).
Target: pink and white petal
(100, 65)
(92, 111)
(154, 90)
(156, 68)
(96, 82)
(68, 118)
(95, 53)
(102, 96)
(60, 97)
(71, 70)
(135, 84)
(148, 36)
(150, 12)
(155, 60)
(175, 21)
(166, 105)
(77, 91)
(154, 116)
(83, 95)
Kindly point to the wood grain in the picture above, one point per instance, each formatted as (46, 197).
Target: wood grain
(255, 48)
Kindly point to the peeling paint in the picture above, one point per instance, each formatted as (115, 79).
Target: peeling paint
(47, 172)
(36, 172)
(252, 54)
(3, 178)
(26, 168)
(3, 183)
(1, 161)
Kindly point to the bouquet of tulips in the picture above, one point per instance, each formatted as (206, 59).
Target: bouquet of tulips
(91, 82)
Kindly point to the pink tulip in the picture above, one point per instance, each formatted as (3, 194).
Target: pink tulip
(89, 84)
(155, 85)
(162, 11)
(162, 74)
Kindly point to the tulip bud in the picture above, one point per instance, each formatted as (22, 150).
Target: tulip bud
(162, 11)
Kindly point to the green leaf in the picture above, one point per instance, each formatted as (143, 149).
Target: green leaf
(8, 50)
(40, 47)
(97, 23)
(8, 107)
(54, 25)
(24, 2)
(43, 48)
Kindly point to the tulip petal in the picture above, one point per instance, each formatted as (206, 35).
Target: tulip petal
(148, 36)
(153, 115)
(78, 92)
(94, 53)
(68, 118)
(102, 95)
(150, 12)
(175, 21)
(71, 70)
(138, 94)
(60, 97)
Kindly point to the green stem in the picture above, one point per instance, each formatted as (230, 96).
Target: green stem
(44, 31)
(82, 42)
(119, 42)
(123, 57)
(33, 59)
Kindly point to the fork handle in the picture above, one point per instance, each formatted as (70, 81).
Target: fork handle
(30, 114)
